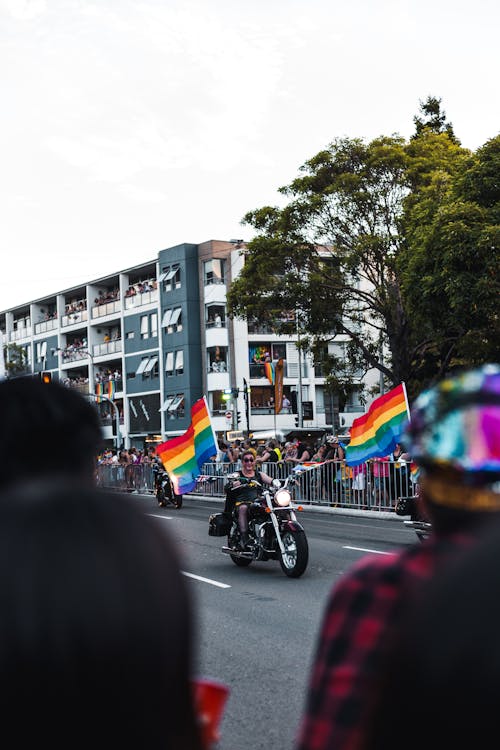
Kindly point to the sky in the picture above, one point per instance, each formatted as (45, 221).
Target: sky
(132, 126)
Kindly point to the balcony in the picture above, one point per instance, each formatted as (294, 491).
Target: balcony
(107, 347)
(46, 325)
(78, 316)
(106, 308)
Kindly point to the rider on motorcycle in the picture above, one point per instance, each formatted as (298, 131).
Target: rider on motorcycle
(241, 492)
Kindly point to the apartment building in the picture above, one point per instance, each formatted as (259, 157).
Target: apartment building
(146, 342)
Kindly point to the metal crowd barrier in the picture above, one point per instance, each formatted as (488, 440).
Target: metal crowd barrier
(332, 484)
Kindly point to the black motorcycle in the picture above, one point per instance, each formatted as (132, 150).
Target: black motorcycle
(164, 489)
(412, 506)
(274, 532)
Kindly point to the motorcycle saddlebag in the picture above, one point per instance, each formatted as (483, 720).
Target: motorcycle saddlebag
(219, 524)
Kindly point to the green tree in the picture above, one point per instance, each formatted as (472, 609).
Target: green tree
(16, 360)
(450, 269)
(392, 243)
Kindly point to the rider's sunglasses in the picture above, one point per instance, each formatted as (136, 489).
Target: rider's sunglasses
(248, 460)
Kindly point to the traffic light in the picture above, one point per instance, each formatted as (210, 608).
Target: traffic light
(296, 421)
(307, 410)
(46, 377)
(238, 417)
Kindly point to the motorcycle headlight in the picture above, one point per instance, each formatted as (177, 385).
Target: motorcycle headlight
(282, 498)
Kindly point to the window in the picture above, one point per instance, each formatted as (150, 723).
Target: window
(169, 363)
(217, 359)
(130, 335)
(151, 367)
(215, 316)
(175, 408)
(213, 271)
(154, 324)
(142, 366)
(179, 362)
(175, 319)
(166, 318)
(41, 351)
(171, 278)
(144, 327)
(167, 403)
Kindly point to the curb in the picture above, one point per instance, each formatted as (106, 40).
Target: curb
(385, 514)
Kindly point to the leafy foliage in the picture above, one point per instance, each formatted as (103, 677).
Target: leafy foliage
(382, 244)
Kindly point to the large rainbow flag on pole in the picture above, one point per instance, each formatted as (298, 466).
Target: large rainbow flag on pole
(184, 456)
(377, 432)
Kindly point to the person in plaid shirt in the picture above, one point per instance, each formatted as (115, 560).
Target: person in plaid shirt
(454, 439)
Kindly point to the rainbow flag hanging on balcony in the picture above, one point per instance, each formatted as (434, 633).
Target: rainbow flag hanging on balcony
(377, 432)
(111, 388)
(269, 370)
(184, 456)
(99, 391)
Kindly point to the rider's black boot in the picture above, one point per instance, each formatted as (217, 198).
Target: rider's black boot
(244, 539)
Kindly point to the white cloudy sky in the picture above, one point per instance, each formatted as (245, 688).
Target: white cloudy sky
(133, 125)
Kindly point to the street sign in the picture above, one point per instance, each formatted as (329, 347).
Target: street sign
(229, 416)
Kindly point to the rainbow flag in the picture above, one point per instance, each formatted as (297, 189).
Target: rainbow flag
(111, 388)
(377, 432)
(269, 370)
(99, 392)
(184, 456)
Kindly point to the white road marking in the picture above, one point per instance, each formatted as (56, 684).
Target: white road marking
(363, 549)
(155, 515)
(207, 580)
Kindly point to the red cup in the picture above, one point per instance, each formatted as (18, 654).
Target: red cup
(210, 700)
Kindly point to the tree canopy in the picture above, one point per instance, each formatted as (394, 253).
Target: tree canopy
(389, 243)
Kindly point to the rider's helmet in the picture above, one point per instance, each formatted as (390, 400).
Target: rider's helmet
(454, 438)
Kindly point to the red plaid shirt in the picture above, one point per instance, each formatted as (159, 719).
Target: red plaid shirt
(358, 623)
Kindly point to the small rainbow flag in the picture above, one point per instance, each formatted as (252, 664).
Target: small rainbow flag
(99, 392)
(269, 370)
(111, 388)
(184, 456)
(377, 432)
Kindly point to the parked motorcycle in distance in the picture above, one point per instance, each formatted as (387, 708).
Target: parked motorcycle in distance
(274, 532)
(164, 489)
(411, 506)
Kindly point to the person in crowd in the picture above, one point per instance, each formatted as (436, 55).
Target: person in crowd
(444, 668)
(241, 492)
(96, 633)
(453, 437)
(56, 432)
(334, 455)
(381, 480)
(271, 453)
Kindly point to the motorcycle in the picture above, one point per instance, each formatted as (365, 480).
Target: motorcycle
(273, 530)
(164, 489)
(411, 506)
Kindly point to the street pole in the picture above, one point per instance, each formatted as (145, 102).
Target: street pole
(299, 392)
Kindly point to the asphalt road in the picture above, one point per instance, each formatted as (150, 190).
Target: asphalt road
(257, 628)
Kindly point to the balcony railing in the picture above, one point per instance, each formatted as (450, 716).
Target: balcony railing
(78, 316)
(138, 300)
(107, 347)
(107, 308)
(46, 325)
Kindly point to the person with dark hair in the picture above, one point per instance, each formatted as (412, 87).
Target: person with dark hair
(454, 437)
(443, 672)
(56, 431)
(242, 490)
(96, 632)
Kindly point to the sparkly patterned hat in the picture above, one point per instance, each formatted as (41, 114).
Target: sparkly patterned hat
(456, 426)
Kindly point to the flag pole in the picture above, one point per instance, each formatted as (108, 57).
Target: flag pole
(210, 420)
(406, 400)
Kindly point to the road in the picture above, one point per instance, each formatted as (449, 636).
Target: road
(257, 628)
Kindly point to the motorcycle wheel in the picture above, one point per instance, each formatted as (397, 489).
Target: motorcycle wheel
(160, 496)
(177, 501)
(296, 556)
(240, 562)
